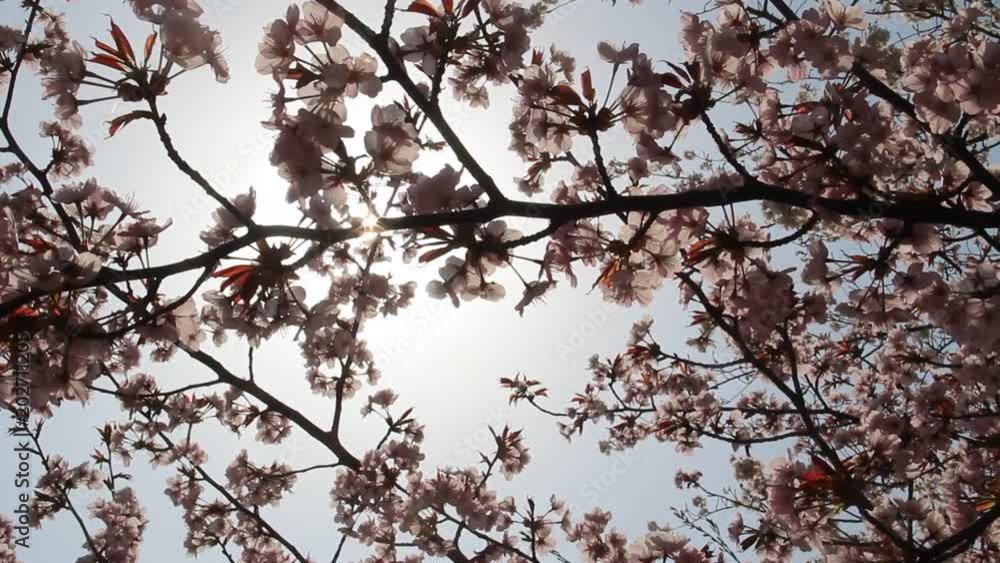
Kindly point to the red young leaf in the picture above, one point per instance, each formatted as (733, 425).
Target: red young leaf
(231, 271)
(665, 426)
(123, 120)
(588, 85)
(608, 273)
(107, 60)
(748, 542)
(815, 478)
(699, 318)
(302, 76)
(820, 476)
(820, 465)
(423, 7)
(108, 49)
(680, 71)
(670, 79)
(239, 280)
(805, 107)
(124, 47)
(24, 312)
(640, 352)
(697, 250)
(37, 244)
(436, 232)
(449, 6)
(565, 95)
(432, 254)
(148, 47)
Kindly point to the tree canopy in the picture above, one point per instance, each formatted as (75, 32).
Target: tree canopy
(813, 181)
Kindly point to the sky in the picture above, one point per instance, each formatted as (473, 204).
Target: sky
(444, 362)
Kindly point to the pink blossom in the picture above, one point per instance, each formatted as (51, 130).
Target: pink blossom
(392, 142)
(190, 44)
(844, 17)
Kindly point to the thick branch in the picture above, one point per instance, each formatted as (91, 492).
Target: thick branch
(329, 439)
(911, 211)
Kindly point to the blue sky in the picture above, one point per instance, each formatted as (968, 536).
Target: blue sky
(444, 362)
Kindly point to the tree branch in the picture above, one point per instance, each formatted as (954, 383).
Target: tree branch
(954, 145)
(911, 211)
(397, 72)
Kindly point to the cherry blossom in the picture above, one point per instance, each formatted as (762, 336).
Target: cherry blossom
(392, 141)
(813, 184)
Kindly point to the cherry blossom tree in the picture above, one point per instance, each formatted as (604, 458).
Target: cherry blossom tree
(835, 243)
